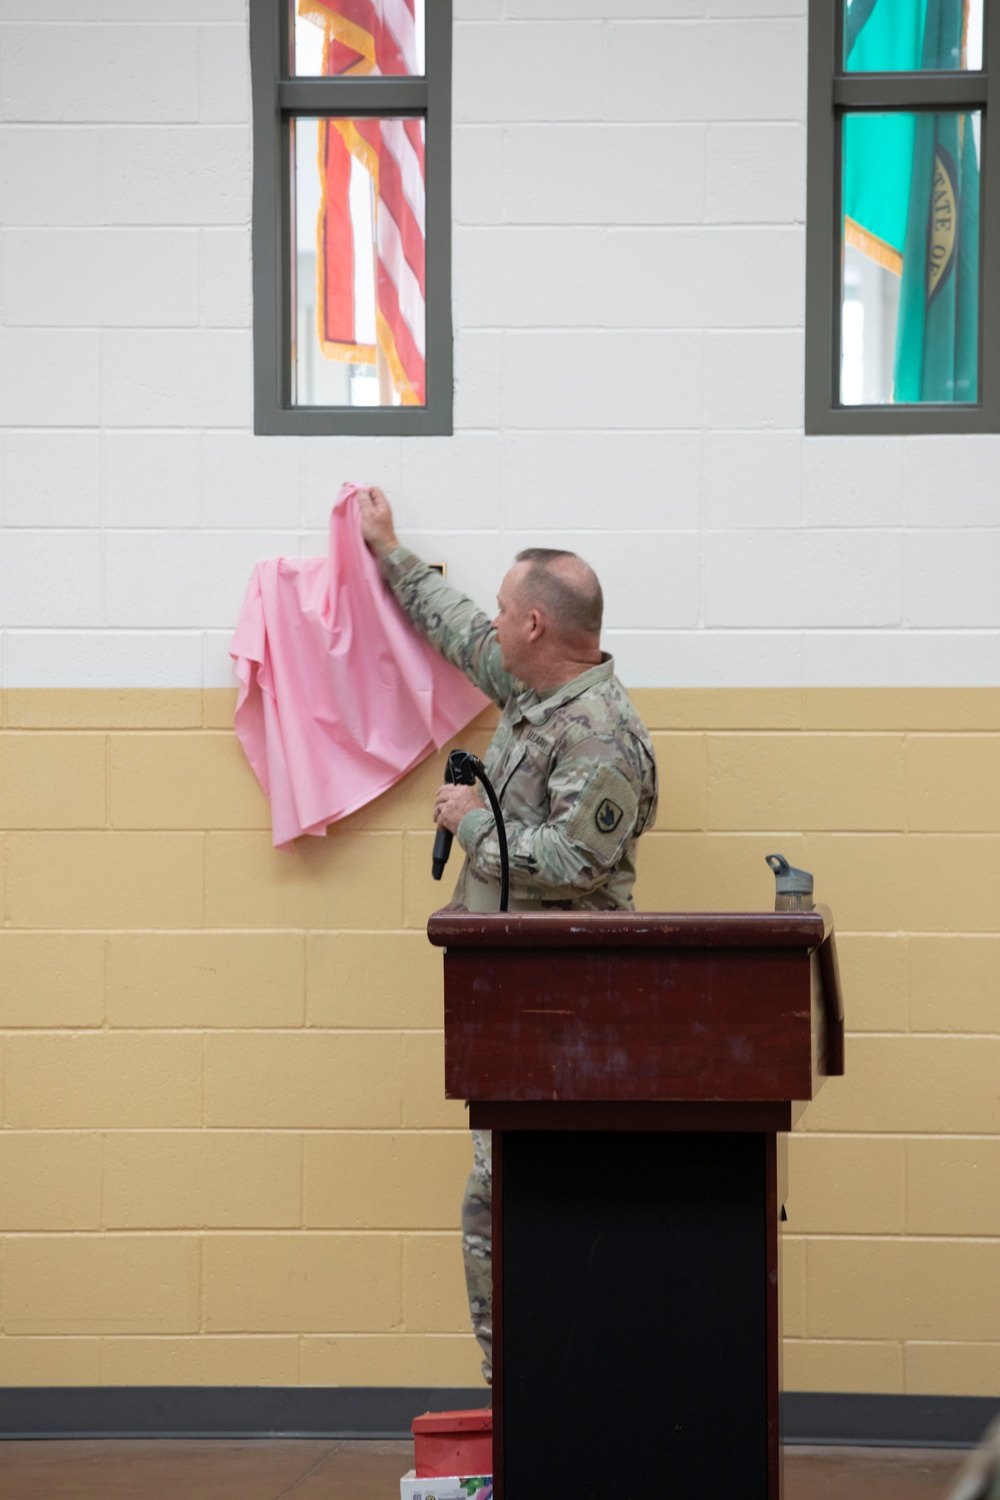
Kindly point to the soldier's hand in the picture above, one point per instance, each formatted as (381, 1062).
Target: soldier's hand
(376, 521)
(451, 803)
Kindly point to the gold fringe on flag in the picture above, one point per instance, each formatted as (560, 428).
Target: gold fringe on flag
(407, 394)
(360, 148)
(869, 244)
(964, 54)
(342, 30)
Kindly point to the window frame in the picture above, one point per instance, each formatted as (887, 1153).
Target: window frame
(833, 92)
(278, 99)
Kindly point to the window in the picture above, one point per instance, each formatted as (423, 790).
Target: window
(351, 216)
(903, 248)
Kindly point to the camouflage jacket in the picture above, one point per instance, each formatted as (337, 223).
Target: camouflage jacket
(573, 767)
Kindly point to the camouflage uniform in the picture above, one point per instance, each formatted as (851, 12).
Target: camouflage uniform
(477, 1245)
(574, 770)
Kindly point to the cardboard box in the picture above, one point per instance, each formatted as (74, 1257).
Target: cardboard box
(447, 1487)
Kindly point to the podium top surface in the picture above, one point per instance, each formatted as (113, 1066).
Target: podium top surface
(453, 927)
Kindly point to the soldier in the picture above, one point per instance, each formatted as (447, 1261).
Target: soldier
(571, 761)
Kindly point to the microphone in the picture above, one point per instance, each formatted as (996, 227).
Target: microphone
(460, 771)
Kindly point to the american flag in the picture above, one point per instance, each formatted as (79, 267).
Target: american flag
(376, 37)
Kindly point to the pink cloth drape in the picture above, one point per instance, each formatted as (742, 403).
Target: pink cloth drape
(339, 697)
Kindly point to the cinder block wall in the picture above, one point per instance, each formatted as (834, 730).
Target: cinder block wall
(226, 1156)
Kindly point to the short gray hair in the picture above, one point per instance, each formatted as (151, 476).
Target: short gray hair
(565, 586)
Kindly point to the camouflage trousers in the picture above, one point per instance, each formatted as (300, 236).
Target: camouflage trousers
(477, 1245)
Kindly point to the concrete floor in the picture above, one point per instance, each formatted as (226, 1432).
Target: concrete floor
(289, 1469)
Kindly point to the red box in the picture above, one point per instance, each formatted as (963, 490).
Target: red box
(453, 1442)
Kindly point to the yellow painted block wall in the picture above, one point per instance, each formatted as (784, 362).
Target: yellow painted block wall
(225, 1156)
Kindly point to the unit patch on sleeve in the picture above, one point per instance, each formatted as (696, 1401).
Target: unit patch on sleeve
(604, 817)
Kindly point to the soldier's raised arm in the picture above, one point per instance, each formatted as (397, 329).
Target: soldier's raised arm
(443, 615)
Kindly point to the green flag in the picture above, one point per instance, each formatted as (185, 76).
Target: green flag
(911, 197)
(936, 336)
(880, 36)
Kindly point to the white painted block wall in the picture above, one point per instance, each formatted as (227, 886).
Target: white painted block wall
(629, 194)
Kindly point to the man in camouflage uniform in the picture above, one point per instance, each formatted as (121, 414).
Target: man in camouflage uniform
(571, 762)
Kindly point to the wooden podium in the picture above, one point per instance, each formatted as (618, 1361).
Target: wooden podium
(638, 1071)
